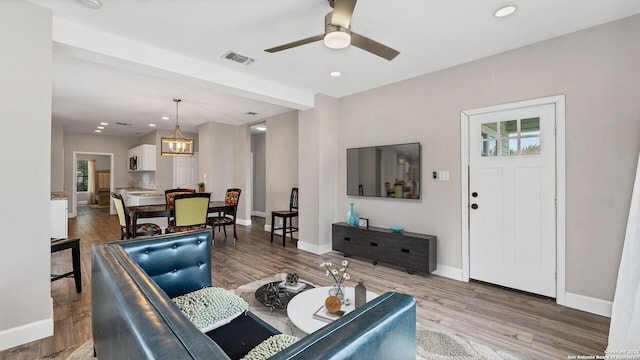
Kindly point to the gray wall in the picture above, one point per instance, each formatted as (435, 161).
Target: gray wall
(597, 69)
(282, 161)
(258, 148)
(57, 158)
(26, 313)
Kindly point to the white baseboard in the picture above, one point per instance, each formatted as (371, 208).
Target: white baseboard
(27, 333)
(245, 222)
(589, 304)
(314, 249)
(448, 272)
(258, 213)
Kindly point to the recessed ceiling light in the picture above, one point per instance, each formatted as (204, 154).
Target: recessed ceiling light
(97, 130)
(104, 123)
(261, 128)
(505, 11)
(335, 73)
(165, 118)
(101, 127)
(152, 125)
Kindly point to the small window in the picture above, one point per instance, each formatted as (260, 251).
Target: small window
(82, 175)
(511, 137)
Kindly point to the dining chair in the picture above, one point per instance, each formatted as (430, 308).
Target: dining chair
(286, 214)
(170, 194)
(189, 212)
(127, 229)
(228, 217)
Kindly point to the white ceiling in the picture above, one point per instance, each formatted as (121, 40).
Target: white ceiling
(127, 61)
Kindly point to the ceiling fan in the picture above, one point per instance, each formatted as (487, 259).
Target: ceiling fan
(338, 34)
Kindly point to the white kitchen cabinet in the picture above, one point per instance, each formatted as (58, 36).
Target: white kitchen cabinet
(142, 158)
(59, 220)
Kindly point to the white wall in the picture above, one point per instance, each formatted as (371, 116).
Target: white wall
(597, 69)
(26, 313)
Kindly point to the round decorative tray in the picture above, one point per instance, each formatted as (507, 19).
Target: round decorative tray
(396, 228)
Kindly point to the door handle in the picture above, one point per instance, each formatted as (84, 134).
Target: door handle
(474, 206)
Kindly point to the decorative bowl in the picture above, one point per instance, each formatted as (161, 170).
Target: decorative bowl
(396, 228)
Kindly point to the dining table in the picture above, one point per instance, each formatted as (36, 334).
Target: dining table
(161, 210)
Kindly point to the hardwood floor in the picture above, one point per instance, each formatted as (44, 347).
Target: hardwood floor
(527, 326)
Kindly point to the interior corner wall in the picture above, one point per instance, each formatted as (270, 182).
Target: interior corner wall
(241, 172)
(318, 174)
(282, 162)
(258, 149)
(597, 70)
(217, 158)
(26, 313)
(57, 159)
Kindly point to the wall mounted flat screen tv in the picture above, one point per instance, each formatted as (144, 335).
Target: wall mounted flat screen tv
(384, 171)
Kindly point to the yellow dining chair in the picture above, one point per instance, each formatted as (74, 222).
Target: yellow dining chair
(189, 212)
(127, 229)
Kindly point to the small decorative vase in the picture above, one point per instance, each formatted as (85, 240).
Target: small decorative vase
(361, 294)
(338, 291)
(351, 219)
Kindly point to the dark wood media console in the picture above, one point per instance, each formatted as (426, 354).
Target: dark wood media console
(414, 252)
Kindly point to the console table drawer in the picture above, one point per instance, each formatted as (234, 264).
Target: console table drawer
(414, 252)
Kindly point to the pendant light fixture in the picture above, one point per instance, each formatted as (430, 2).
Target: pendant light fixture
(176, 144)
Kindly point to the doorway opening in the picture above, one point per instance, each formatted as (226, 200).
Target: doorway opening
(93, 176)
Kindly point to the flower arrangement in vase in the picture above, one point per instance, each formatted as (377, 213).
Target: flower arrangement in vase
(339, 276)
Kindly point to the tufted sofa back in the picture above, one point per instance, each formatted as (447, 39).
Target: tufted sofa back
(180, 264)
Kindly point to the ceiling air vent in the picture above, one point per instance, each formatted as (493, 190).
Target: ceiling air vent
(238, 58)
(251, 113)
(123, 124)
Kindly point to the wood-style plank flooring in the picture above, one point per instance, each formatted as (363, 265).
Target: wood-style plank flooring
(527, 326)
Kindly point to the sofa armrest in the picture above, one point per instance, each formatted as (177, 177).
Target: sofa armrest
(133, 318)
(384, 328)
(178, 263)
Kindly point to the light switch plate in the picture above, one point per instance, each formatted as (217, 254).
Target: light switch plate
(443, 175)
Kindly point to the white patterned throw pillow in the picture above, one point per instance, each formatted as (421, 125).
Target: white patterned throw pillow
(210, 307)
(270, 347)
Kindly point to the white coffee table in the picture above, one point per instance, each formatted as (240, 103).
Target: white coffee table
(301, 308)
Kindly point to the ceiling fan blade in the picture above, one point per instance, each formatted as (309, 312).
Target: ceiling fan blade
(342, 13)
(373, 47)
(295, 43)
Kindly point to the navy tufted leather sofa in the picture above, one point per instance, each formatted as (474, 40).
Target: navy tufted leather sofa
(133, 316)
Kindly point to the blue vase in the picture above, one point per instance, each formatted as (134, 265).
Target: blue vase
(352, 217)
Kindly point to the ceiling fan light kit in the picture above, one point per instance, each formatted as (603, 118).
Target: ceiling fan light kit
(337, 40)
(338, 34)
(176, 144)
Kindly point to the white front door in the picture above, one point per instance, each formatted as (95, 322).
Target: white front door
(512, 212)
(185, 172)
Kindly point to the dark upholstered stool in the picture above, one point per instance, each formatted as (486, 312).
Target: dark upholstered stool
(74, 245)
(286, 214)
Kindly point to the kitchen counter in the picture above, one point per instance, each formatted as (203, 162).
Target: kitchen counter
(59, 196)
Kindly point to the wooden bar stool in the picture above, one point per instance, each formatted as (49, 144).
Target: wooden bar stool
(286, 214)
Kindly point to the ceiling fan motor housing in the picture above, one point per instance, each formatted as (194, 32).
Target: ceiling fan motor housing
(335, 37)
